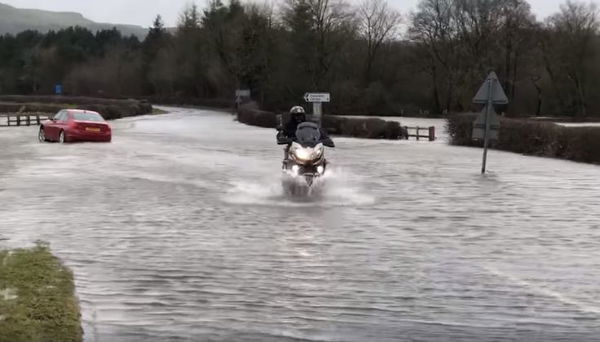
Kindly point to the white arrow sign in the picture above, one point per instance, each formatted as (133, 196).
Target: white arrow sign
(242, 93)
(317, 97)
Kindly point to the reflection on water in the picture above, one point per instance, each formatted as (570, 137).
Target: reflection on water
(179, 231)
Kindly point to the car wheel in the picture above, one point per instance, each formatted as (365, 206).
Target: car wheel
(62, 138)
(42, 135)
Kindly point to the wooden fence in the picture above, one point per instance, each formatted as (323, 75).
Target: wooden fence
(22, 119)
(415, 132)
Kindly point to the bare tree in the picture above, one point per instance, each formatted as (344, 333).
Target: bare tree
(434, 29)
(331, 19)
(568, 49)
(378, 23)
(516, 40)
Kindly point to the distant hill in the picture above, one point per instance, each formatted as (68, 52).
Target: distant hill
(14, 20)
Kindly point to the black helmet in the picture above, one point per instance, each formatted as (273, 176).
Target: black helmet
(298, 113)
(297, 110)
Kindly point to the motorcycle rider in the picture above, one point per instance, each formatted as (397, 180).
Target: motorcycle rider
(298, 116)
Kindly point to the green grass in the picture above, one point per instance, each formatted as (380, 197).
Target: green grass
(37, 298)
(158, 111)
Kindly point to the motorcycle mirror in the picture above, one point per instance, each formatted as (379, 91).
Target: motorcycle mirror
(284, 141)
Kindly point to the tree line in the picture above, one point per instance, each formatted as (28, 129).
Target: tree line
(371, 58)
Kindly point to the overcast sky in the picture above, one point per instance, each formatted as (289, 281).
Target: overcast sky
(142, 12)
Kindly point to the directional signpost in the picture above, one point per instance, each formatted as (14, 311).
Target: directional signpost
(487, 124)
(317, 99)
(240, 95)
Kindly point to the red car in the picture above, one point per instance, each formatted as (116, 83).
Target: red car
(70, 125)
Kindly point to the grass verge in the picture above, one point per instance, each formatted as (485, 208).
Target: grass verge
(37, 298)
(157, 111)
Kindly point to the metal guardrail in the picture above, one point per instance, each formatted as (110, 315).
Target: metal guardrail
(22, 119)
(417, 132)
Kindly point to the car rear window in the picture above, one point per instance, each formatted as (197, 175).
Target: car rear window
(87, 117)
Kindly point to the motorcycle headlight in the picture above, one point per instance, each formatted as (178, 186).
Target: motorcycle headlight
(318, 152)
(303, 153)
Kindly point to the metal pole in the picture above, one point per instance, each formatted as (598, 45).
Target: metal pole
(317, 112)
(488, 107)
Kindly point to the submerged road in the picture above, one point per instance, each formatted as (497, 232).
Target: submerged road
(179, 231)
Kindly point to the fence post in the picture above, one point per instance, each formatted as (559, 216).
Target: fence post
(37, 119)
(18, 120)
(28, 120)
(432, 133)
(418, 129)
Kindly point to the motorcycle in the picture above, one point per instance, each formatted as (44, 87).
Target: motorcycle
(304, 160)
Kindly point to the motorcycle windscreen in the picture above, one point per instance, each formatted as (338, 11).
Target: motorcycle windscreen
(308, 134)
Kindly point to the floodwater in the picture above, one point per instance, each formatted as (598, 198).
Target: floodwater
(179, 231)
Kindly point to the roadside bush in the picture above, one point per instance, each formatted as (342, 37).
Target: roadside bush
(249, 115)
(582, 144)
(335, 125)
(109, 108)
(545, 139)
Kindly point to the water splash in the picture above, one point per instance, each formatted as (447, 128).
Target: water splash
(337, 188)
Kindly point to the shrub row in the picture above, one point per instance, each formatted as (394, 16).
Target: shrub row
(77, 100)
(545, 139)
(349, 127)
(255, 117)
(109, 108)
(371, 128)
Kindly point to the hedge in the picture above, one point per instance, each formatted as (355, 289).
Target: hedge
(109, 108)
(546, 139)
(350, 127)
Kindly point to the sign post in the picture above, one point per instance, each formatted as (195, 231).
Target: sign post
(240, 95)
(489, 94)
(317, 99)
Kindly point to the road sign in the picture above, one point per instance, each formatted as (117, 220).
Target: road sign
(495, 91)
(58, 89)
(317, 97)
(479, 126)
(490, 93)
(242, 93)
